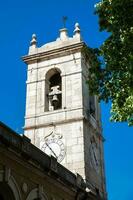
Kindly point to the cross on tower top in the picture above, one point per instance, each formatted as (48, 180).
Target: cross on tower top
(64, 18)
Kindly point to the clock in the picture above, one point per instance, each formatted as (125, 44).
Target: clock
(94, 158)
(55, 147)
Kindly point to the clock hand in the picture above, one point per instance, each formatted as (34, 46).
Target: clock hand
(95, 159)
(51, 150)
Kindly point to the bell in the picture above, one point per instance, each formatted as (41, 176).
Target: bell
(54, 99)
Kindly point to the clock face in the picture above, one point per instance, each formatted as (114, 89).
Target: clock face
(94, 157)
(54, 147)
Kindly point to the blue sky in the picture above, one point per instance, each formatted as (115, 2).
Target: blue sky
(19, 19)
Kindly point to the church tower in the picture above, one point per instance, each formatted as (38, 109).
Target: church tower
(62, 119)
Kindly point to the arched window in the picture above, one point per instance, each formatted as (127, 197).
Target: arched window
(33, 195)
(53, 90)
(92, 106)
(6, 192)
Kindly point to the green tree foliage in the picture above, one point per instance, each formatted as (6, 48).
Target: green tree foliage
(112, 79)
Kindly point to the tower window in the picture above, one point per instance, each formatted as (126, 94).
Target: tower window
(92, 106)
(54, 91)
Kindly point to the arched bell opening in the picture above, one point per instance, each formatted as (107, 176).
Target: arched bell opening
(53, 90)
(6, 192)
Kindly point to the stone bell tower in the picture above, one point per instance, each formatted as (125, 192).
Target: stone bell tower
(62, 119)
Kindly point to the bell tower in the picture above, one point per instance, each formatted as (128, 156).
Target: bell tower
(62, 119)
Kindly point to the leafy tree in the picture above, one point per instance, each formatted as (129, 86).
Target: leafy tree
(112, 77)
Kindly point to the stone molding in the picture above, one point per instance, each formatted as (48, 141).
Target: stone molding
(53, 112)
(66, 50)
(53, 123)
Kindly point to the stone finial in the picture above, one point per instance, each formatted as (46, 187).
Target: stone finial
(77, 31)
(77, 28)
(33, 41)
(63, 34)
(33, 44)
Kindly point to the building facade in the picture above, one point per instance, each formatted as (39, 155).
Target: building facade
(62, 118)
(26, 173)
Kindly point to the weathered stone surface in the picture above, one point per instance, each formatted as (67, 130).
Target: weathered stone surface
(77, 128)
(27, 173)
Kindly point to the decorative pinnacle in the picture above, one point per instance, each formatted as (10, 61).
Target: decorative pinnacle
(77, 28)
(33, 41)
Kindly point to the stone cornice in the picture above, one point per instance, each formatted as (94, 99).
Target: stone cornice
(66, 50)
(54, 123)
(54, 112)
